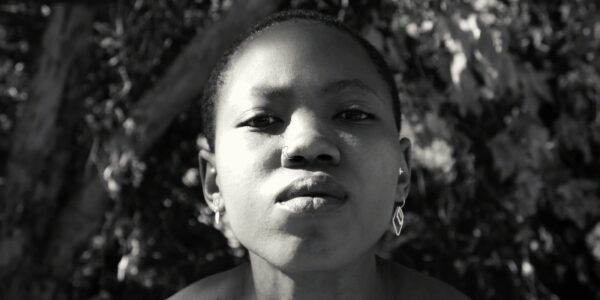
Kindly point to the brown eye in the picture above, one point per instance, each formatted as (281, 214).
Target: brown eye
(355, 115)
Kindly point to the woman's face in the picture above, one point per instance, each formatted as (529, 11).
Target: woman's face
(328, 197)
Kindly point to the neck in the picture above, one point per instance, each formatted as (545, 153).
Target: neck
(359, 280)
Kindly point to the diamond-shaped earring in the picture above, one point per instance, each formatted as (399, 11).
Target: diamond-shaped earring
(398, 220)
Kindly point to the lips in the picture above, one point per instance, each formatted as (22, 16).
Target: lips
(311, 195)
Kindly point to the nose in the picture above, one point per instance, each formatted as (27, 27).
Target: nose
(308, 142)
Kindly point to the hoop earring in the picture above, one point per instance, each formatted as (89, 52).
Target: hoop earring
(217, 217)
(398, 220)
(217, 208)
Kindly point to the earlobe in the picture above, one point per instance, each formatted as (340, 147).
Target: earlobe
(208, 174)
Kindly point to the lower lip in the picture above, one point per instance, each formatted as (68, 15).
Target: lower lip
(311, 205)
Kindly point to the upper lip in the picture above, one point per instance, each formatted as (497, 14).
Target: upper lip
(312, 186)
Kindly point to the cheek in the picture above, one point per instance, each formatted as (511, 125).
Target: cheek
(238, 176)
(243, 206)
(376, 164)
(243, 167)
(375, 158)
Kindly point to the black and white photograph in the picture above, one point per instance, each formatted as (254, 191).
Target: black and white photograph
(300, 149)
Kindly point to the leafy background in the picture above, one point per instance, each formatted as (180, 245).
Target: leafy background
(501, 99)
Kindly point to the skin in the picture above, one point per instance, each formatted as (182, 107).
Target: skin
(311, 90)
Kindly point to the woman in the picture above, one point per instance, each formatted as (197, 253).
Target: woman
(301, 151)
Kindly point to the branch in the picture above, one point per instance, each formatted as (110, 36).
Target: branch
(38, 160)
(157, 108)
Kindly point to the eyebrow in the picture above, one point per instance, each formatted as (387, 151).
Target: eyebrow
(283, 92)
(272, 92)
(340, 85)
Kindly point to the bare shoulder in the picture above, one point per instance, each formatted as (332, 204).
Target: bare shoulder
(221, 286)
(411, 284)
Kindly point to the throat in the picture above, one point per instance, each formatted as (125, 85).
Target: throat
(360, 280)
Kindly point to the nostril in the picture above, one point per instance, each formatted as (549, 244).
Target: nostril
(296, 158)
(325, 157)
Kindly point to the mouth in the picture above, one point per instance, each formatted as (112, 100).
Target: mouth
(315, 194)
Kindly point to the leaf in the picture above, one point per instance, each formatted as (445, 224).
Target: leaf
(374, 37)
(438, 126)
(574, 134)
(506, 155)
(523, 144)
(528, 191)
(534, 89)
(577, 200)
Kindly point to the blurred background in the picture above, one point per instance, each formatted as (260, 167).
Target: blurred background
(100, 196)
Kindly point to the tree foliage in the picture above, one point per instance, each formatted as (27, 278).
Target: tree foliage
(500, 98)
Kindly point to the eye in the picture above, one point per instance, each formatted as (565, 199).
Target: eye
(355, 115)
(261, 121)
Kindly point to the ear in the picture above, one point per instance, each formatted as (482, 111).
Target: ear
(403, 187)
(208, 175)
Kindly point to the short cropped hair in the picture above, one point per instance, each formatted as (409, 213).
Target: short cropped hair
(216, 79)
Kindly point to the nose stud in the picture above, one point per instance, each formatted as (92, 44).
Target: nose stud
(284, 151)
(290, 158)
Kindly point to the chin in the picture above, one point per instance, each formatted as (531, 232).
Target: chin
(311, 257)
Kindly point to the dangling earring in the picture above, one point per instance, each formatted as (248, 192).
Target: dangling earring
(398, 220)
(217, 217)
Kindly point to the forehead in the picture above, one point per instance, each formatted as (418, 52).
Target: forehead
(299, 54)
